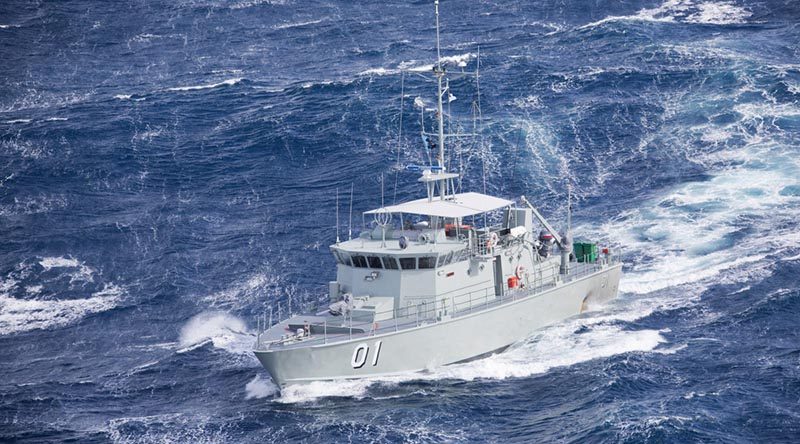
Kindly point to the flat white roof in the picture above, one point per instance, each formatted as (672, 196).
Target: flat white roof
(458, 205)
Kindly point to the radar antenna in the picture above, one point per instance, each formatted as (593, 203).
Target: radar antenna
(382, 218)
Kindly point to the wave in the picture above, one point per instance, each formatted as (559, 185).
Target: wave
(259, 388)
(166, 428)
(229, 82)
(31, 205)
(458, 60)
(730, 223)
(223, 330)
(686, 11)
(297, 24)
(243, 293)
(80, 271)
(20, 315)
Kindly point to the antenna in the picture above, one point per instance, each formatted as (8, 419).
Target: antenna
(439, 75)
(350, 228)
(399, 134)
(382, 217)
(337, 215)
(480, 115)
(569, 207)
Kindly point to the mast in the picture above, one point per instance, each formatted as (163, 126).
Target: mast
(440, 111)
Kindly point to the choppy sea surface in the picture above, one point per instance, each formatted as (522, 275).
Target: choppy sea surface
(168, 171)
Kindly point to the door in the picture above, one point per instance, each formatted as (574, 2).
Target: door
(498, 276)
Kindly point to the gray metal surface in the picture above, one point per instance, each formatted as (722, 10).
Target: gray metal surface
(440, 343)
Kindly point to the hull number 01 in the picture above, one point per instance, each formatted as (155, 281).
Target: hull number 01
(362, 351)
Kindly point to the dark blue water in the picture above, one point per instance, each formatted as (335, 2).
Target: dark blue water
(169, 171)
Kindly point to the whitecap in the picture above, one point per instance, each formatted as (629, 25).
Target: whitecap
(259, 388)
(297, 24)
(223, 330)
(19, 315)
(229, 82)
(78, 271)
(685, 11)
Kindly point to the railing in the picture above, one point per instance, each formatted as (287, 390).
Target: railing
(462, 304)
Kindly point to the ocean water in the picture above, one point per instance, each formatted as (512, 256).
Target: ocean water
(169, 171)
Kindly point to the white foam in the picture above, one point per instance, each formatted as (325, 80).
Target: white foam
(59, 262)
(297, 24)
(223, 330)
(414, 66)
(686, 11)
(79, 270)
(169, 428)
(260, 388)
(252, 3)
(11, 122)
(310, 392)
(229, 82)
(241, 293)
(529, 102)
(552, 347)
(719, 13)
(19, 315)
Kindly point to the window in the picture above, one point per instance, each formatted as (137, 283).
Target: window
(408, 263)
(342, 257)
(374, 262)
(359, 261)
(441, 260)
(427, 262)
(459, 256)
(449, 258)
(389, 263)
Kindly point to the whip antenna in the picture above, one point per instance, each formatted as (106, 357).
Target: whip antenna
(337, 215)
(350, 228)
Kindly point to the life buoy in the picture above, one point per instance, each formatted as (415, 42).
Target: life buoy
(519, 271)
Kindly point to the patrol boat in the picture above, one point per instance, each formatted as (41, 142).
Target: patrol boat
(436, 282)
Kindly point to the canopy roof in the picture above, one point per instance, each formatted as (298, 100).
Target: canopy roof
(458, 205)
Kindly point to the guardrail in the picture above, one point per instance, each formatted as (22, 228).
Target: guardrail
(436, 311)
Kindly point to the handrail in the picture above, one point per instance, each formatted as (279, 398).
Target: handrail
(447, 308)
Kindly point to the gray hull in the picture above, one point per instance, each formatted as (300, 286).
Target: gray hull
(449, 341)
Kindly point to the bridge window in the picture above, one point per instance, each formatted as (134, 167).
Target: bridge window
(460, 255)
(441, 262)
(374, 262)
(449, 258)
(427, 262)
(408, 263)
(390, 263)
(359, 261)
(342, 257)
